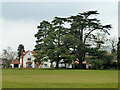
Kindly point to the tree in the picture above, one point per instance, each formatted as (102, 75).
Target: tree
(113, 49)
(113, 43)
(99, 59)
(53, 41)
(118, 52)
(100, 40)
(20, 48)
(7, 56)
(44, 44)
(62, 40)
(82, 27)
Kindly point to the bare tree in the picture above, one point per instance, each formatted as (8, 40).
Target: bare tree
(113, 44)
(7, 56)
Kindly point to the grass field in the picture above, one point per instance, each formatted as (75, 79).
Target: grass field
(40, 78)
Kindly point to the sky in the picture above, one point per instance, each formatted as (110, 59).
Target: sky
(119, 19)
(20, 19)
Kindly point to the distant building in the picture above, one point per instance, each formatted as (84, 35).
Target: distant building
(29, 61)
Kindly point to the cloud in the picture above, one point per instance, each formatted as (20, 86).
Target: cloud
(19, 32)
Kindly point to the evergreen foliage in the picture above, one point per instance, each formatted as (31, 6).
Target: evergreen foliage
(56, 42)
(20, 48)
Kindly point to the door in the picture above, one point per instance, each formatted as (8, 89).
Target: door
(15, 65)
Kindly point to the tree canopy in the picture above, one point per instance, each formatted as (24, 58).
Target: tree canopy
(56, 42)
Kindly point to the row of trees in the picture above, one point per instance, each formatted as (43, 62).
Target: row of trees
(80, 36)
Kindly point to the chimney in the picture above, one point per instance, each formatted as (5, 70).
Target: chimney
(22, 59)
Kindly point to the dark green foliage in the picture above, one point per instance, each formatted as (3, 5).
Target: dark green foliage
(82, 27)
(20, 48)
(99, 59)
(55, 42)
(118, 53)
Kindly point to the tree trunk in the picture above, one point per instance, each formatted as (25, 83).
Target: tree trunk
(65, 65)
(81, 55)
(57, 63)
(80, 49)
(51, 65)
(80, 64)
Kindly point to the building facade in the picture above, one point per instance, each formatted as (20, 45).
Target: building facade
(29, 61)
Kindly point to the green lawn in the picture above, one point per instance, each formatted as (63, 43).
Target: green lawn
(40, 78)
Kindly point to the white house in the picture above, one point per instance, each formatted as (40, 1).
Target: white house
(15, 63)
(28, 61)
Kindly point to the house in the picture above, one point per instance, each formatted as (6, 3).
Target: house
(15, 63)
(29, 61)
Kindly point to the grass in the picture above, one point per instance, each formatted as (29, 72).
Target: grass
(45, 78)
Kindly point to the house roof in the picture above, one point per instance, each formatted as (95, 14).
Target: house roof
(29, 62)
(37, 62)
(25, 53)
(84, 62)
(33, 52)
(15, 62)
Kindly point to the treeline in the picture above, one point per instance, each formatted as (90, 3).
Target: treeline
(79, 38)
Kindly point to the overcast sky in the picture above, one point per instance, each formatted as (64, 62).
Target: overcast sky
(20, 19)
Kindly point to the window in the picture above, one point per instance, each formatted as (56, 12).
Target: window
(28, 53)
(29, 58)
(29, 65)
(46, 65)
